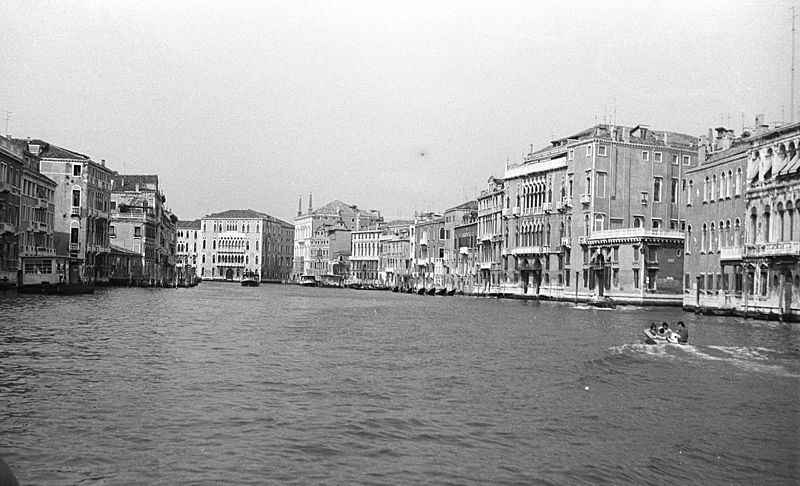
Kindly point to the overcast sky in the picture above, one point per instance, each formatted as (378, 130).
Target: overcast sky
(395, 106)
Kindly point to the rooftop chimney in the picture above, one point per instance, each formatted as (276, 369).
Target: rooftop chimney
(103, 162)
(300, 205)
(310, 207)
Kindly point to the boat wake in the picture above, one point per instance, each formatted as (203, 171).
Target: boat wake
(760, 360)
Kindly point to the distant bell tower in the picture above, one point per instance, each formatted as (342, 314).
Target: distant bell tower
(300, 205)
(310, 206)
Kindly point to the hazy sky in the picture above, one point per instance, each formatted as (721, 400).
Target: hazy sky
(395, 106)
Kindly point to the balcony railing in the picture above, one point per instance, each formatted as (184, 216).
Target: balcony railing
(74, 247)
(506, 211)
(42, 203)
(782, 248)
(637, 233)
(586, 198)
(76, 211)
(5, 186)
(548, 206)
(515, 211)
(7, 228)
(565, 241)
(730, 254)
(559, 206)
(567, 201)
(39, 227)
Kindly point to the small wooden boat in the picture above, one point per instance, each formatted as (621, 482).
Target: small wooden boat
(250, 279)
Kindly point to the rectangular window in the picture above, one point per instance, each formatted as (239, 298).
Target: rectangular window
(76, 170)
(657, 189)
(111, 232)
(602, 150)
(600, 184)
(76, 197)
(588, 150)
(657, 157)
(645, 155)
(73, 237)
(571, 154)
(686, 160)
(674, 159)
(636, 278)
(137, 232)
(674, 193)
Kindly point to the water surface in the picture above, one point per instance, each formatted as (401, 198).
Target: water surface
(280, 384)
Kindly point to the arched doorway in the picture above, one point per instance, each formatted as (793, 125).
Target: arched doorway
(229, 274)
(537, 274)
(525, 273)
(599, 270)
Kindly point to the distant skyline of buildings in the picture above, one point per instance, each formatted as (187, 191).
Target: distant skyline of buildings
(637, 214)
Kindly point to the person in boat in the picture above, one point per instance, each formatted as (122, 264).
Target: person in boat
(653, 329)
(664, 328)
(683, 333)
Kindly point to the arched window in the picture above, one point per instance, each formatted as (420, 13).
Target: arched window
(705, 190)
(728, 182)
(441, 233)
(688, 244)
(599, 219)
(712, 237)
(738, 183)
(737, 233)
(637, 222)
(690, 194)
(704, 238)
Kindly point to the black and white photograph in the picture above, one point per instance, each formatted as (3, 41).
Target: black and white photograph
(388, 242)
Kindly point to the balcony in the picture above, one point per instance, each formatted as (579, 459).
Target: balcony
(565, 241)
(74, 247)
(582, 240)
(586, 198)
(39, 227)
(637, 233)
(5, 186)
(42, 203)
(515, 211)
(559, 206)
(464, 250)
(7, 228)
(548, 207)
(567, 201)
(506, 212)
(486, 265)
(777, 249)
(422, 262)
(730, 254)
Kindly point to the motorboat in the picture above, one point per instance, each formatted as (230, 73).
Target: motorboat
(658, 337)
(250, 279)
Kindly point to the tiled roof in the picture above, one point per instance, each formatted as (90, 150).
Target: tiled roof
(465, 206)
(245, 214)
(128, 182)
(124, 251)
(337, 207)
(194, 224)
(50, 151)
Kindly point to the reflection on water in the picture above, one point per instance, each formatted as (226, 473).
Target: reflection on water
(224, 384)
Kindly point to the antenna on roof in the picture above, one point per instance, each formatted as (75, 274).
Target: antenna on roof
(8, 115)
(791, 107)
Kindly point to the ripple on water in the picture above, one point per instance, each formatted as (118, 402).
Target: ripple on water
(285, 384)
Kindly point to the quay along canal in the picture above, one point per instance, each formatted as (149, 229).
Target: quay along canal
(223, 384)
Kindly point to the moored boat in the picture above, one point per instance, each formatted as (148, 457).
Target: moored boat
(308, 281)
(250, 279)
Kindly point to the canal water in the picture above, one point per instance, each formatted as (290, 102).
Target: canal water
(222, 384)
